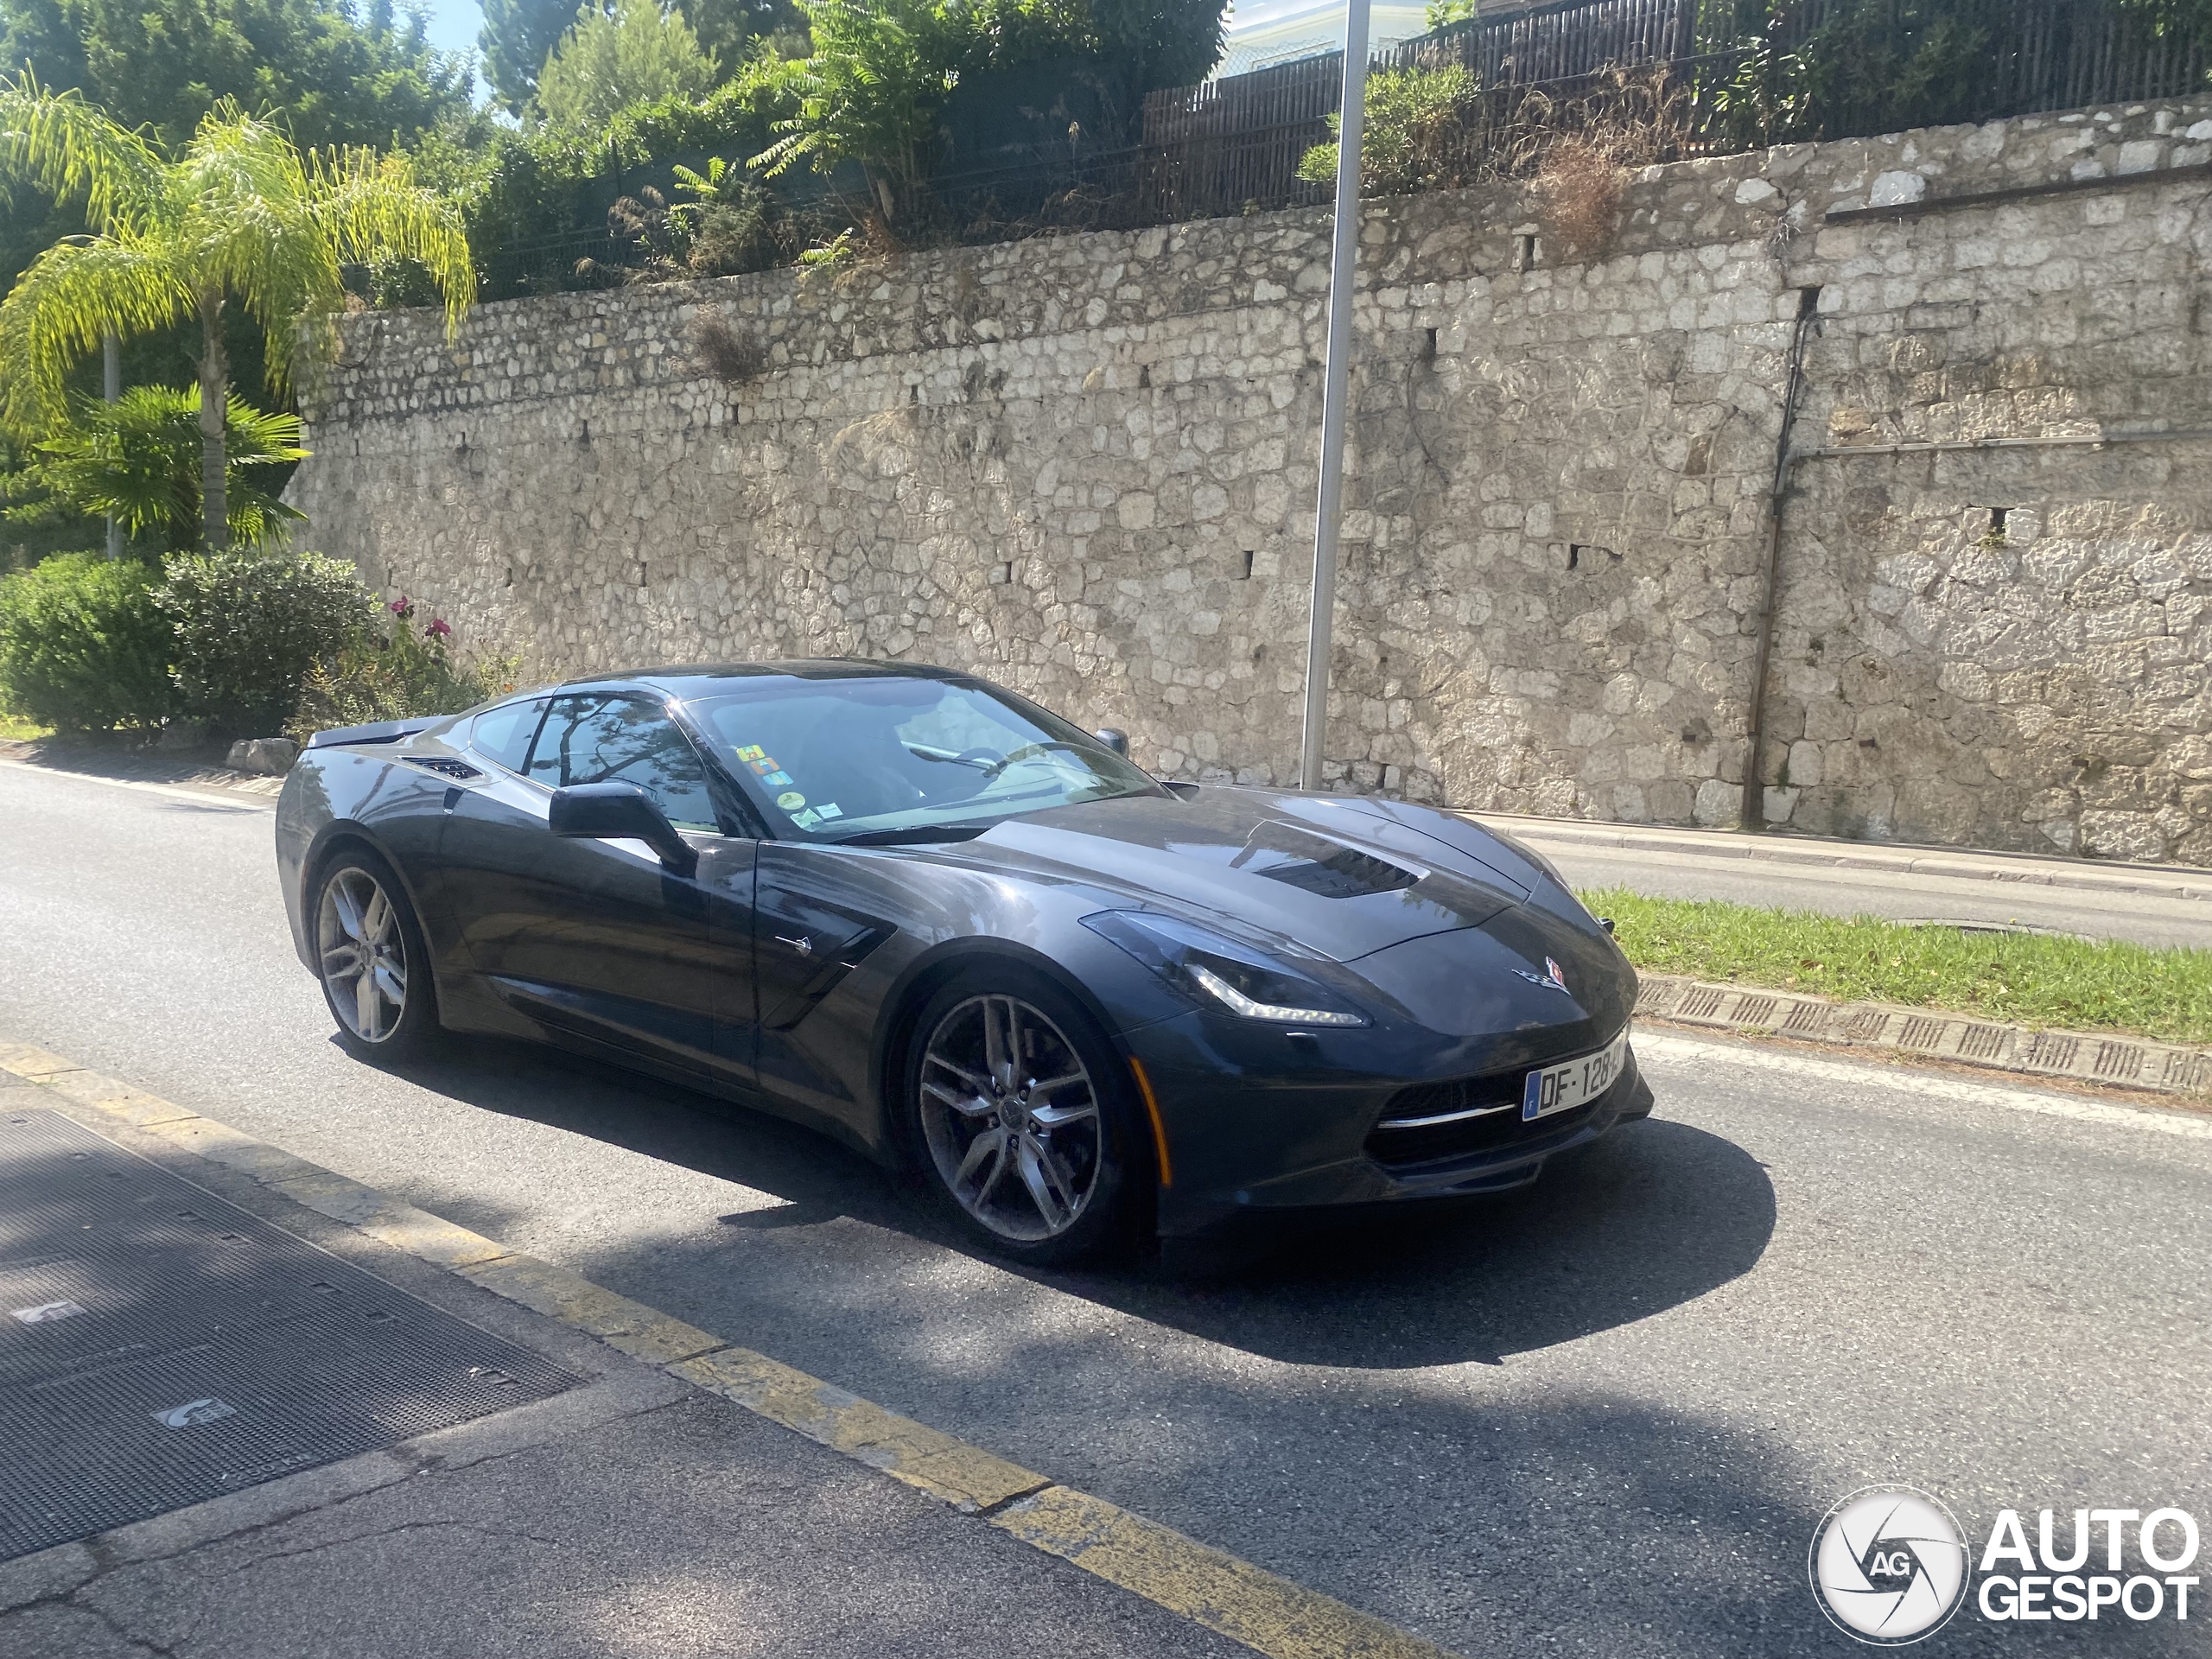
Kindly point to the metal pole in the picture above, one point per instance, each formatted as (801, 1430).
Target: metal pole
(1335, 375)
(111, 387)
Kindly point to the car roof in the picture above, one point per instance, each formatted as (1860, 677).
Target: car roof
(691, 680)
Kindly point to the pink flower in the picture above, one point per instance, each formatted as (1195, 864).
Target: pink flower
(438, 628)
(401, 606)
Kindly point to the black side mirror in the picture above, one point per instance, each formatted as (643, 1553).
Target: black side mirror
(591, 811)
(1116, 740)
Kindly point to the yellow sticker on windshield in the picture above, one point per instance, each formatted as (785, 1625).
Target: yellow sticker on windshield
(752, 752)
(791, 800)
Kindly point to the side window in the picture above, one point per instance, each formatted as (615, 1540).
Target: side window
(601, 739)
(503, 733)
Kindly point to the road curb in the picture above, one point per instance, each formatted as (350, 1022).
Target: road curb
(1232, 1597)
(2113, 1060)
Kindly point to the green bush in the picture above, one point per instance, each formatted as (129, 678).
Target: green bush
(83, 646)
(395, 675)
(249, 624)
(1414, 119)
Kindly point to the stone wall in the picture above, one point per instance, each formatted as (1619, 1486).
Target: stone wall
(1085, 466)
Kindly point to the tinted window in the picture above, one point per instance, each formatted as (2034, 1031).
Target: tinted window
(503, 733)
(599, 739)
(828, 758)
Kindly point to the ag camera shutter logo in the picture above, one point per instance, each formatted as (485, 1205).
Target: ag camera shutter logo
(1889, 1565)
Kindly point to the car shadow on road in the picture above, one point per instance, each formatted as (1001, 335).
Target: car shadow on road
(1655, 1216)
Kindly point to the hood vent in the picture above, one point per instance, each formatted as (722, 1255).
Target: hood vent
(1329, 869)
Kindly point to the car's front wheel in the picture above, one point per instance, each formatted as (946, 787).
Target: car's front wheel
(370, 957)
(1022, 1118)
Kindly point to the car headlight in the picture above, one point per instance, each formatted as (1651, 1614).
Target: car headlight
(1213, 968)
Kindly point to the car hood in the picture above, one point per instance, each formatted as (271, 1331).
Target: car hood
(1345, 877)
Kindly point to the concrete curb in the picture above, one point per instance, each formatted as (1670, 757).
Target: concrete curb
(1270, 1615)
(2168, 881)
(1929, 1034)
(148, 771)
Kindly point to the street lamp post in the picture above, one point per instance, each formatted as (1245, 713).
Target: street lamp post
(1335, 377)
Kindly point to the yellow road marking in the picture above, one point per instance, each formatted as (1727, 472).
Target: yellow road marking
(1217, 1590)
(1267, 1614)
(964, 1476)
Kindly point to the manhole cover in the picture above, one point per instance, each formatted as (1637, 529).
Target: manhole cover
(159, 1346)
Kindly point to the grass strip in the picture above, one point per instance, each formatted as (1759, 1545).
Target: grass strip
(2022, 978)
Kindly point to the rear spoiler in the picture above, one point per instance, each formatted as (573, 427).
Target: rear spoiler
(376, 731)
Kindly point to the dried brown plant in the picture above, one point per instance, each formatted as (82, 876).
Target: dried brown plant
(727, 353)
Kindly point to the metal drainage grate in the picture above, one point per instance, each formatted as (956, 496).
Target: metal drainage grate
(159, 1346)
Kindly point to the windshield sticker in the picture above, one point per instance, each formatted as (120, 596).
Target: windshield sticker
(775, 779)
(764, 765)
(830, 809)
(752, 752)
(807, 819)
(791, 800)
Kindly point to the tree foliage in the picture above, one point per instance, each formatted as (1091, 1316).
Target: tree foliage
(239, 215)
(609, 61)
(873, 91)
(518, 36)
(139, 459)
(341, 74)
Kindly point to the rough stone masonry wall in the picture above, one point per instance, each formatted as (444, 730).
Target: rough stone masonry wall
(1085, 466)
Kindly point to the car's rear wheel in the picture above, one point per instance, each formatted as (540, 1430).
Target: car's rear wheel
(1021, 1117)
(370, 958)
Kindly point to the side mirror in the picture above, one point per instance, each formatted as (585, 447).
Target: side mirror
(1116, 740)
(595, 811)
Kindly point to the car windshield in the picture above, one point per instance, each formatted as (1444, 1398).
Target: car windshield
(875, 756)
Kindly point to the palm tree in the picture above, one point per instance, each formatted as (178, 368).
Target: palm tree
(239, 216)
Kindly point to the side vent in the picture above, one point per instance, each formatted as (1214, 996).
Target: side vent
(442, 766)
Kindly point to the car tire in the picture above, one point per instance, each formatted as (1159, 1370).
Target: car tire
(1032, 1166)
(362, 928)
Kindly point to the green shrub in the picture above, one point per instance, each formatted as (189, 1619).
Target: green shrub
(250, 623)
(83, 646)
(1408, 143)
(396, 674)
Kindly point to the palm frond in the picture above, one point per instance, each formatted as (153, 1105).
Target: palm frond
(248, 226)
(68, 148)
(371, 208)
(73, 294)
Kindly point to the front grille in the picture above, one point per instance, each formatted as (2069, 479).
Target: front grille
(1499, 1128)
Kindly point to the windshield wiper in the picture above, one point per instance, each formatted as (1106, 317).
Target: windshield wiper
(913, 835)
(924, 752)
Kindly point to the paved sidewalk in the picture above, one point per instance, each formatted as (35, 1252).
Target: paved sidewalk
(2163, 905)
(633, 1513)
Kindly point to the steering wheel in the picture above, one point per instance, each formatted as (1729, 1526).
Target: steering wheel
(990, 757)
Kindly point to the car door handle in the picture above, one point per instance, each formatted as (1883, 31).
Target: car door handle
(802, 944)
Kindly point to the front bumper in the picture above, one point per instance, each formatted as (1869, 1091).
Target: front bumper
(1245, 1142)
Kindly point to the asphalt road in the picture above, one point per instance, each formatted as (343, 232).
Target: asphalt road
(2149, 918)
(1603, 1416)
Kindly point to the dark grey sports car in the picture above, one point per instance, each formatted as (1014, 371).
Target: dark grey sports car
(920, 913)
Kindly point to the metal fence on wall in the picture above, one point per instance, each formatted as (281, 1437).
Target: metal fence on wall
(1234, 145)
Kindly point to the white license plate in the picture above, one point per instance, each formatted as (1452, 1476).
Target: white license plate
(1563, 1086)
